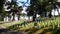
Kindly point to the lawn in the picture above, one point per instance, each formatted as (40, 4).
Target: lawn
(50, 26)
(11, 23)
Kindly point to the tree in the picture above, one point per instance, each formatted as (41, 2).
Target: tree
(16, 9)
(55, 5)
(19, 9)
(2, 12)
(58, 6)
(41, 6)
(32, 9)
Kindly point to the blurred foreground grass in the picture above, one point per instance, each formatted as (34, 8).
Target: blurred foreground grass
(11, 23)
(51, 26)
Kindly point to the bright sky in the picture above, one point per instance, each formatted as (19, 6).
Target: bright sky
(21, 4)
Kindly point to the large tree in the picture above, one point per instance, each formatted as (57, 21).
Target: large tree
(32, 9)
(16, 9)
(41, 6)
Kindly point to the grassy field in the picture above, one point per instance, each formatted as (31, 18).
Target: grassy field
(50, 26)
(8, 24)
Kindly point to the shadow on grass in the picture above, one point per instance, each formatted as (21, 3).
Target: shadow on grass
(18, 25)
(8, 31)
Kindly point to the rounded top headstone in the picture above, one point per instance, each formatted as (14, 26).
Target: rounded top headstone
(58, 0)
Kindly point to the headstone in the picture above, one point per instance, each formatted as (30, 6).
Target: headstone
(58, 25)
(6, 19)
(58, 0)
(16, 17)
(11, 18)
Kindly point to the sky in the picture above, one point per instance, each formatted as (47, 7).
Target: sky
(25, 5)
(21, 4)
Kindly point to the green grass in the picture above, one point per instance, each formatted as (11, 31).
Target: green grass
(46, 25)
(40, 24)
(11, 23)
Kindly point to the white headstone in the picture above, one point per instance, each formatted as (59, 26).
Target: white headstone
(6, 19)
(16, 17)
(54, 12)
(58, 0)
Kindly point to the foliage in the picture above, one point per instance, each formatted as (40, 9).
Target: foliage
(58, 3)
(41, 6)
(49, 7)
(40, 2)
(2, 12)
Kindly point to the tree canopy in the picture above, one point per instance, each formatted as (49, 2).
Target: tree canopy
(41, 6)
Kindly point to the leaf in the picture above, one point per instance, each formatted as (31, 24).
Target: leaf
(49, 7)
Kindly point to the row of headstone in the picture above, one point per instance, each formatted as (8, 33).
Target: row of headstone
(6, 18)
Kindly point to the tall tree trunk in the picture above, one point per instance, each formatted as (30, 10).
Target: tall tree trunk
(45, 14)
(58, 11)
(13, 17)
(50, 15)
(34, 16)
(19, 17)
(42, 14)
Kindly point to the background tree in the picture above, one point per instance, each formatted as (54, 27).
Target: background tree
(41, 6)
(19, 9)
(15, 9)
(2, 12)
(32, 9)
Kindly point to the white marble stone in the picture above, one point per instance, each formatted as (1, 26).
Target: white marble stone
(58, 0)
(16, 17)
(54, 12)
(6, 19)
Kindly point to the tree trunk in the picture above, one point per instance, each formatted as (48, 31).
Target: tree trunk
(13, 17)
(19, 17)
(58, 11)
(42, 14)
(34, 16)
(50, 15)
(45, 14)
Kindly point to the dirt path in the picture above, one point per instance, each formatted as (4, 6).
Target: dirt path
(3, 30)
(2, 27)
(7, 31)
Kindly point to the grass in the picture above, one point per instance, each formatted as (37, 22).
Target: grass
(11, 23)
(41, 24)
(39, 27)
